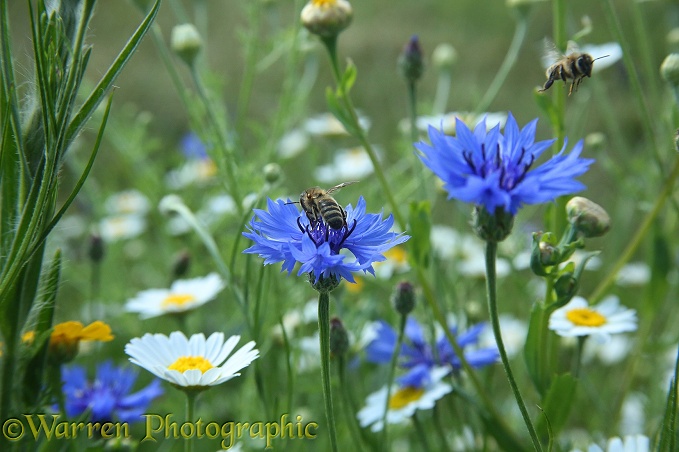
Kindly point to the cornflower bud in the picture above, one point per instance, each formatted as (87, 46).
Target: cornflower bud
(339, 339)
(96, 248)
(404, 298)
(326, 18)
(272, 172)
(410, 62)
(587, 217)
(186, 42)
(492, 227)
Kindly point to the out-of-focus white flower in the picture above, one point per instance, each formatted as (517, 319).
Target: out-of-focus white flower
(404, 401)
(446, 122)
(633, 418)
(630, 443)
(612, 49)
(326, 125)
(600, 321)
(466, 251)
(293, 143)
(513, 335)
(612, 352)
(397, 262)
(184, 295)
(347, 164)
(633, 274)
(127, 202)
(194, 171)
(296, 318)
(121, 227)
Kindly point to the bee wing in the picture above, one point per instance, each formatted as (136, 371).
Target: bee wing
(572, 47)
(550, 53)
(342, 185)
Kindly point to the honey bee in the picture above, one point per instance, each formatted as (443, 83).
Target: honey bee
(574, 66)
(318, 204)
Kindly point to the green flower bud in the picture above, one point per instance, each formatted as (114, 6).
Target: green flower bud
(669, 69)
(544, 253)
(411, 62)
(444, 57)
(522, 6)
(186, 42)
(326, 18)
(565, 287)
(272, 172)
(404, 298)
(587, 217)
(492, 227)
(339, 339)
(323, 285)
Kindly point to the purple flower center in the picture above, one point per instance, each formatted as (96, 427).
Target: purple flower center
(511, 173)
(320, 233)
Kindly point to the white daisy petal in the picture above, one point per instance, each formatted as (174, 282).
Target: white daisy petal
(577, 318)
(200, 358)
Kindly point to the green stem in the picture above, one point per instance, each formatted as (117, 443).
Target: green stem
(324, 332)
(491, 289)
(488, 404)
(347, 404)
(331, 46)
(636, 240)
(421, 433)
(510, 59)
(442, 92)
(415, 135)
(390, 380)
(558, 214)
(190, 407)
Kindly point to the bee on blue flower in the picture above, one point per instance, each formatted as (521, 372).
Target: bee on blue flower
(499, 171)
(284, 234)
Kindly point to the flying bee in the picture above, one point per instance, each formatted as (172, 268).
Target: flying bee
(318, 204)
(574, 66)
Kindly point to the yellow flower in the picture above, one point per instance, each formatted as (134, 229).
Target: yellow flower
(66, 336)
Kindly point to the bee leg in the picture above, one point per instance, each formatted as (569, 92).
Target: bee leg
(548, 83)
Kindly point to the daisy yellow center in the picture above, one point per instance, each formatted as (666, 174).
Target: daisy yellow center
(585, 317)
(323, 2)
(177, 299)
(404, 396)
(185, 363)
(397, 254)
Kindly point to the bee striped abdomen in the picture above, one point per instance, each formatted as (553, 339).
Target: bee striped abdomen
(332, 213)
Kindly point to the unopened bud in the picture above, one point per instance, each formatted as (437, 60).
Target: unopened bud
(404, 298)
(181, 264)
(96, 248)
(492, 227)
(272, 172)
(186, 42)
(565, 287)
(444, 56)
(323, 285)
(669, 69)
(587, 217)
(326, 18)
(522, 6)
(411, 62)
(339, 339)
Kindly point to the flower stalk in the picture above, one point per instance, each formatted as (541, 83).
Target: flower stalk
(390, 380)
(324, 334)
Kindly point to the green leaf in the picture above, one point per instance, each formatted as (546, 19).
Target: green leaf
(339, 112)
(420, 229)
(348, 78)
(557, 404)
(667, 437)
(534, 350)
(106, 83)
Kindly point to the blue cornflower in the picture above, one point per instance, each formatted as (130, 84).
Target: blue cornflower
(192, 147)
(495, 170)
(418, 356)
(108, 397)
(284, 234)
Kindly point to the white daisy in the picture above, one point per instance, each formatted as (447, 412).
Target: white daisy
(396, 262)
(404, 401)
(194, 171)
(347, 164)
(577, 318)
(326, 124)
(293, 143)
(633, 274)
(127, 202)
(630, 443)
(446, 122)
(191, 362)
(183, 295)
(121, 227)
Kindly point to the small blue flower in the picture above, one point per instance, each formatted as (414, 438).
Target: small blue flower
(419, 357)
(108, 397)
(284, 234)
(192, 147)
(497, 171)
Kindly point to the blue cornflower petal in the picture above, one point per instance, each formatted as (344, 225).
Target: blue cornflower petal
(284, 234)
(380, 349)
(496, 170)
(107, 397)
